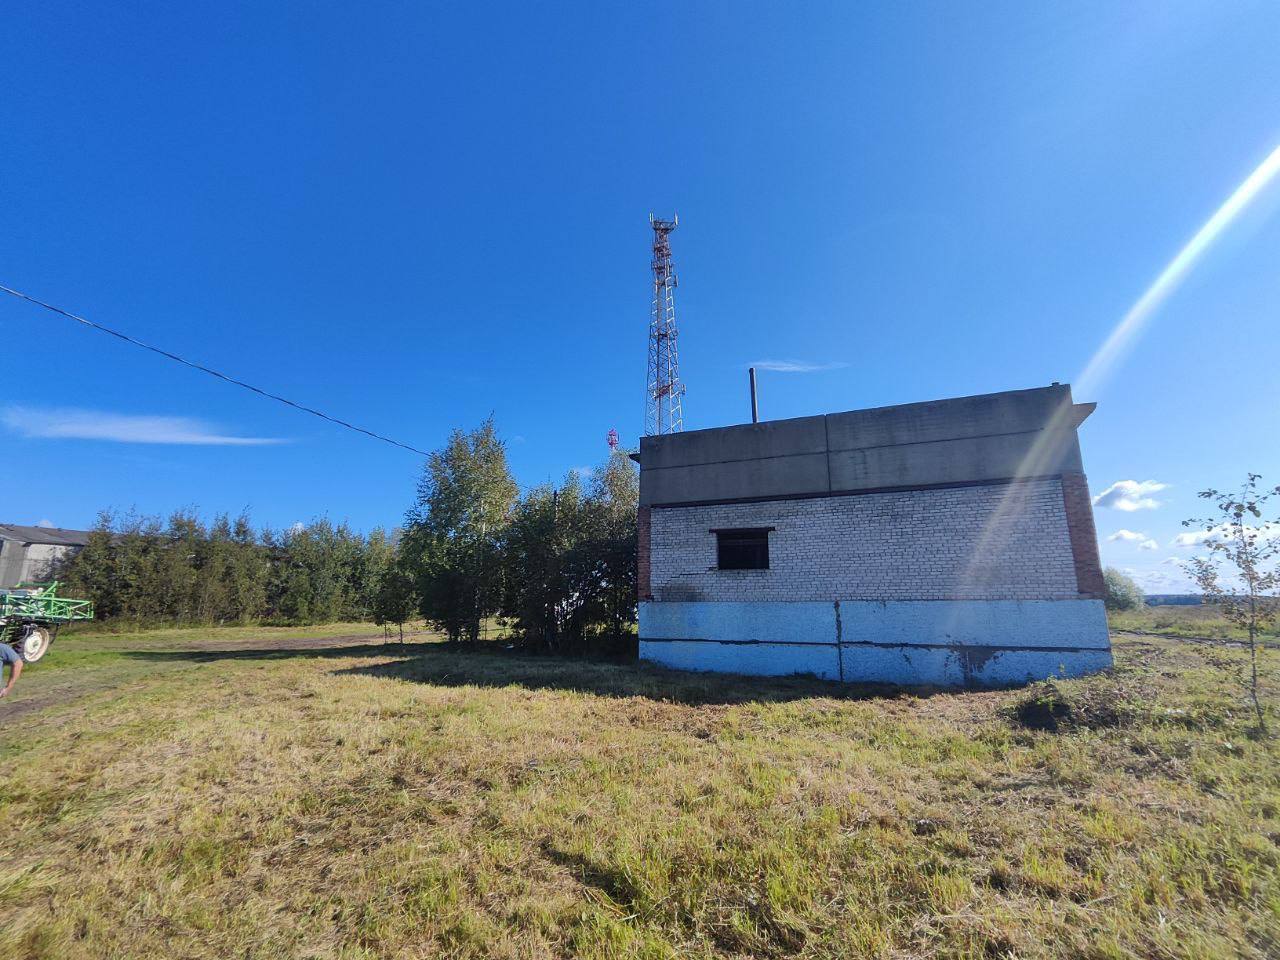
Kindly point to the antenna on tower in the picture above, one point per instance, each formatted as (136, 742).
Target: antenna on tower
(663, 411)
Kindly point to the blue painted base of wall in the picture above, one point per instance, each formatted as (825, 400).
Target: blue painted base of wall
(757, 659)
(946, 643)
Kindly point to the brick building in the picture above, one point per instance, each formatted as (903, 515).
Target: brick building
(949, 542)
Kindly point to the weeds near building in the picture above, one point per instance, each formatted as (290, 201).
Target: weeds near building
(1242, 570)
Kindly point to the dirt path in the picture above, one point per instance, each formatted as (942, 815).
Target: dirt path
(285, 643)
(41, 689)
(37, 694)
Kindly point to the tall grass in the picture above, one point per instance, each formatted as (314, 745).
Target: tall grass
(273, 799)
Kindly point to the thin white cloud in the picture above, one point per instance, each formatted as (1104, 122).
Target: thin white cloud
(46, 523)
(1193, 538)
(69, 423)
(1130, 495)
(797, 366)
(1129, 536)
(1132, 536)
(1171, 561)
(584, 473)
(1162, 581)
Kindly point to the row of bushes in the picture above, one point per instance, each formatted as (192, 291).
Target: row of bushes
(149, 571)
(556, 563)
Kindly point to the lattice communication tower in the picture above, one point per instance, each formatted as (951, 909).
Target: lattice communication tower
(663, 412)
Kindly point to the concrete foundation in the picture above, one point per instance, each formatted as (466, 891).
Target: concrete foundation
(944, 643)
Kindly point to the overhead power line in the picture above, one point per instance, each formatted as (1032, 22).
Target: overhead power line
(213, 373)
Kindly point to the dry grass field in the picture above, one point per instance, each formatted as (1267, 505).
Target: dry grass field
(259, 793)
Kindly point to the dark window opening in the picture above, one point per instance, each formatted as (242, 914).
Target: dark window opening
(742, 549)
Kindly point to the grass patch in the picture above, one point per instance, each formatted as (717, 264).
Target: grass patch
(1205, 621)
(248, 794)
(1097, 704)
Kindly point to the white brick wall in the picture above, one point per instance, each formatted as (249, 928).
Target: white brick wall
(998, 542)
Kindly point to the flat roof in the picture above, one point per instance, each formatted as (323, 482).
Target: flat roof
(987, 437)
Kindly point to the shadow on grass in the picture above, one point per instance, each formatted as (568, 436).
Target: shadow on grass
(282, 652)
(447, 666)
(495, 666)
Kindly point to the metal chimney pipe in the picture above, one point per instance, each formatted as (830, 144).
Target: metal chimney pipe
(755, 408)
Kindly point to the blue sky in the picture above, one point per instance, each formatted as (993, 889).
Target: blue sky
(412, 215)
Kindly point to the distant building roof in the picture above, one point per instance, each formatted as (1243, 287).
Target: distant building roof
(51, 535)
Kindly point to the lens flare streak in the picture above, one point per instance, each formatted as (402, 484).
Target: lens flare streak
(1046, 449)
(1133, 322)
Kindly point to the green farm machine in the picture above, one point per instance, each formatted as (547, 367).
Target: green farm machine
(31, 613)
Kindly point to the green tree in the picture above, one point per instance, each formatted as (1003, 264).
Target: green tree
(570, 557)
(615, 497)
(396, 598)
(542, 539)
(138, 578)
(177, 557)
(92, 573)
(377, 558)
(319, 579)
(453, 531)
(217, 560)
(1122, 592)
(248, 574)
(1240, 540)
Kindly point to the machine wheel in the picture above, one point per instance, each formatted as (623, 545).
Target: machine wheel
(33, 642)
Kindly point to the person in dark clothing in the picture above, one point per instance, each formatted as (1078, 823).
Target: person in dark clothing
(10, 656)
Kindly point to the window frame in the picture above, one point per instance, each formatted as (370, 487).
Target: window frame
(754, 539)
